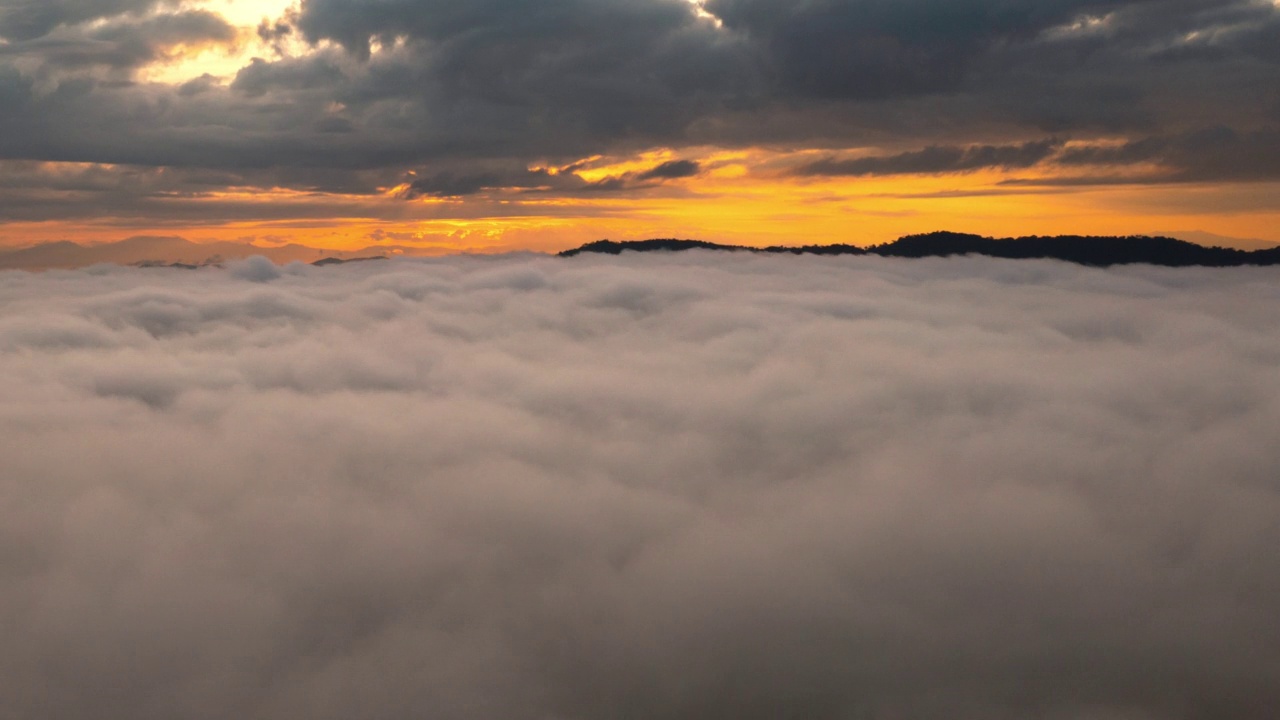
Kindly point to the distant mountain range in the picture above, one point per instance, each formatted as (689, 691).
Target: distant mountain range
(1086, 250)
(151, 251)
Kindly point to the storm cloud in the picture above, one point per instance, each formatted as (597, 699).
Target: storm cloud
(938, 159)
(1215, 153)
(405, 83)
(671, 170)
(30, 19)
(689, 486)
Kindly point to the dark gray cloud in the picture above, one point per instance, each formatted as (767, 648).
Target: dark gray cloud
(29, 188)
(563, 181)
(320, 72)
(1209, 154)
(1218, 153)
(649, 486)
(149, 197)
(671, 170)
(482, 178)
(30, 19)
(464, 88)
(276, 32)
(550, 72)
(939, 159)
(875, 49)
(124, 44)
(654, 177)
(1141, 68)
(447, 184)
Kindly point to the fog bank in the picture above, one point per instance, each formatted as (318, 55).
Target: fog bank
(650, 486)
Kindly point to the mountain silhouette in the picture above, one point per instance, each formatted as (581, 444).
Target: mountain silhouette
(1098, 251)
(609, 247)
(176, 252)
(325, 262)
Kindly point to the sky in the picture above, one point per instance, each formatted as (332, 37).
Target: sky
(681, 486)
(493, 125)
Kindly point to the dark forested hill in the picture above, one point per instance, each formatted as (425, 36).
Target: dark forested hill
(1085, 250)
(609, 247)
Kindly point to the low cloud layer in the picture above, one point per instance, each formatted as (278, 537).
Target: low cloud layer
(693, 486)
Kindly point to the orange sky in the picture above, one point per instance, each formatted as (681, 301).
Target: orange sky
(740, 200)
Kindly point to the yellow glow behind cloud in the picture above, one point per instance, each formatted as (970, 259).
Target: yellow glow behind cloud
(248, 13)
(221, 61)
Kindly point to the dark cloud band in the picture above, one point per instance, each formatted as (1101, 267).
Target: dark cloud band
(478, 92)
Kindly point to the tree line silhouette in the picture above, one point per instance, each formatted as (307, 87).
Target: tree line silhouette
(1098, 251)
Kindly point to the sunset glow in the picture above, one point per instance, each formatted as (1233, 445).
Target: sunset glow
(277, 122)
(741, 198)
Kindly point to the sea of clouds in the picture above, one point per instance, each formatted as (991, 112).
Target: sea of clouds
(691, 486)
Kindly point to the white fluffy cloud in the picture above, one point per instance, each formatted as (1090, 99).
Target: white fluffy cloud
(689, 486)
